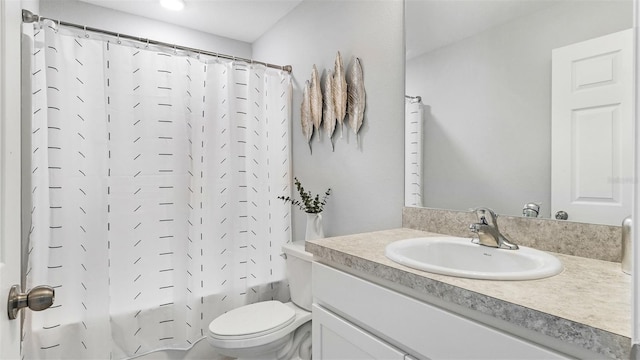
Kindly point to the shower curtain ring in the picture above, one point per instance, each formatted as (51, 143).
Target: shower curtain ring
(118, 36)
(147, 46)
(85, 32)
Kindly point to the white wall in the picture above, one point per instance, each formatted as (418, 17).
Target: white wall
(367, 179)
(488, 128)
(107, 19)
(635, 283)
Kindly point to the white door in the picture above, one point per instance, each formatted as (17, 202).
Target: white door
(9, 171)
(592, 129)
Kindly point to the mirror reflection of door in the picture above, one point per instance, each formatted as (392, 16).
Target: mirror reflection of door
(592, 129)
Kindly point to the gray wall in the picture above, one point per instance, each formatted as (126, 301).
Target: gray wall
(102, 18)
(366, 178)
(488, 120)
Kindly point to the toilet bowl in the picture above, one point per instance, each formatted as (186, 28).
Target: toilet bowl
(271, 329)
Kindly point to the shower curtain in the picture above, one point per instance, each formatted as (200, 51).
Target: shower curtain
(155, 176)
(413, 142)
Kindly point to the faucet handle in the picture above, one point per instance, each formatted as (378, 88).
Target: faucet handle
(531, 209)
(482, 213)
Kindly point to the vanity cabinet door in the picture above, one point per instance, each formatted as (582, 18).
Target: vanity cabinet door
(335, 338)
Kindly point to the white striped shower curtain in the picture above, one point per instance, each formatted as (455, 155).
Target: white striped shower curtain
(413, 143)
(154, 183)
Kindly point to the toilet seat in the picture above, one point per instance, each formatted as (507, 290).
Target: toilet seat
(274, 335)
(249, 321)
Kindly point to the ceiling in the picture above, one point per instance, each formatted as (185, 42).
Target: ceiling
(244, 20)
(431, 24)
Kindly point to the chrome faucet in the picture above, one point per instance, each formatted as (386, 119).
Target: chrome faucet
(487, 230)
(531, 209)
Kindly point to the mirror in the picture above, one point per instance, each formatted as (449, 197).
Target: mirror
(483, 70)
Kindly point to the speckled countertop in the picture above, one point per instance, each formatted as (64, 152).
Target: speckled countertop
(588, 304)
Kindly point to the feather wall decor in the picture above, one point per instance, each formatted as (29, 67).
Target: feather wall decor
(329, 113)
(357, 96)
(339, 92)
(305, 114)
(315, 96)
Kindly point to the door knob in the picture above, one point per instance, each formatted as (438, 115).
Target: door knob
(37, 299)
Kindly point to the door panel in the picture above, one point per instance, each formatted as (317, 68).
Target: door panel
(336, 338)
(592, 129)
(9, 171)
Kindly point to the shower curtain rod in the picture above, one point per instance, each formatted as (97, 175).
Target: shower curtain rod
(29, 17)
(419, 98)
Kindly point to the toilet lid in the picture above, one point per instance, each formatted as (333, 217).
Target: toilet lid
(252, 320)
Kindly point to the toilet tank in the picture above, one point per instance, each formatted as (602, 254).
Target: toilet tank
(298, 271)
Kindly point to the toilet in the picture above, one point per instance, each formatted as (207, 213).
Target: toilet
(271, 329)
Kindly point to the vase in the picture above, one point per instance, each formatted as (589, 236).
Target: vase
(314, 227)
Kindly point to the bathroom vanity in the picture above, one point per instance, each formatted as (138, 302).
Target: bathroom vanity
(366, 306)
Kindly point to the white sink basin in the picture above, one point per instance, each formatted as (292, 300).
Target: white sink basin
(460, 257)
